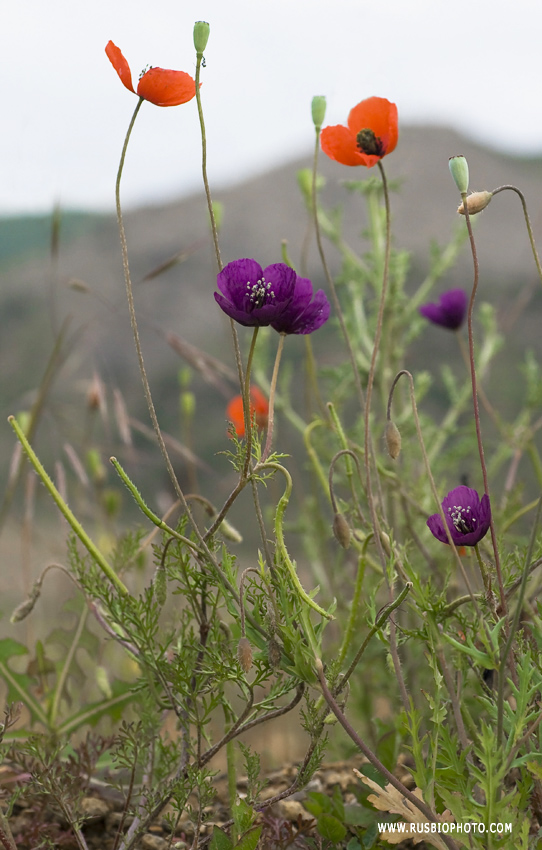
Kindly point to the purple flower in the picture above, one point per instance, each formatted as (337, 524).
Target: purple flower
(467, 516)
(273, 296)
(254, 296)
(450, 310)
(303, 314)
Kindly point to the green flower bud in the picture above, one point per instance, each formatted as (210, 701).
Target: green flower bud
(201, 36)
(160, 585)
(95, 467)
(318, 110)
(459, 169)
(111, 501)
(188, 404)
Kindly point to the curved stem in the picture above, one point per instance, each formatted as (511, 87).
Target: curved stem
(279, 517)
(527, 222)
(475, 398)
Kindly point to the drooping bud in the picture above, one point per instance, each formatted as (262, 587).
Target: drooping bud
(318, 108)
(459, 169)
(273, 653)
(160, 585)
(201, 36)
(244, 654)
(341, 530)
(392, 436)
(25, 608)
(230, 532)
(476, 202)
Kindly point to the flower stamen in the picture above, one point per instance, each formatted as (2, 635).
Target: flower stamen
(368, 142)
(259, 293)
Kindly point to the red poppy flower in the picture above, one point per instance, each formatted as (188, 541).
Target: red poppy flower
(371, 134)
(258, 406)
(157, 85)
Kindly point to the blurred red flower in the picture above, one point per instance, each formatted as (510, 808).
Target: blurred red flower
(371, 133)
(258, 406)
(157, 85)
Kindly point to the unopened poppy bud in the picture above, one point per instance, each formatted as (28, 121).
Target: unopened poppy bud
(318, 108)
(393, 439)
(230, 532)
(25, 608)
(341, 530)
(188, 404)
(476, 202)
(273, 653)
(459, 169)
(201, 35)
(244, 654)
(160, 585)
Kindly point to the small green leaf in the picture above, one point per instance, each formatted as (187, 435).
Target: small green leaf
(243, 816)
(220, 841)
(249, 841)
(331, 828)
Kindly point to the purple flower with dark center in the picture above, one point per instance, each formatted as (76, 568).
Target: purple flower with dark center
(467, 516)
(449, 311)
(254, 296)
(304, 314)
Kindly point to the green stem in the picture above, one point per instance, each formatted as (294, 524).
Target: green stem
(271, 413)
(378, 625)
(76, 526)
(66, 664)
(159, 523)
(279, 517)
(246, 403)
(475, 404)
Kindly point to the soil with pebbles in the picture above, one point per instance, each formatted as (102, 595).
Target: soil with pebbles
(33, 820)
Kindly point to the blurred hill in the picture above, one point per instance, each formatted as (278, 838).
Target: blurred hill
(84, 282)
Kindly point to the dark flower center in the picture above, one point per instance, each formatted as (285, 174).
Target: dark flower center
(259, 293)
(462, 519)
(368, 143)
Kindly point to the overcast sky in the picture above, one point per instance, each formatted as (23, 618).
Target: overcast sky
(475, 65)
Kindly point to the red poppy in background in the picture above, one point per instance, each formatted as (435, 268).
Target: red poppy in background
(371, 133)
(157, 85)
(258, 406)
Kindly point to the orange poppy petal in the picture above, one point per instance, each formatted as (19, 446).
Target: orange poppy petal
(380, 115)
(166, 88)
(234, 414)
(339, 143)
(120, 65)
(261, 405)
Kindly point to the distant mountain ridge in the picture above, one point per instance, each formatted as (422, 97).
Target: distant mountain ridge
(87, 281)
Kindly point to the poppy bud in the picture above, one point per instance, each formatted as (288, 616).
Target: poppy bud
(244, 654)
(230, 532)
(160, 585)
(341, 530)
(476, 202)
(273, 653)
(393, 439)
(201, 36)
(318, 108)
(188, 404)
(459, 169)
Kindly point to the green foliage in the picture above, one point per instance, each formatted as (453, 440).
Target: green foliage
(427, 657)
